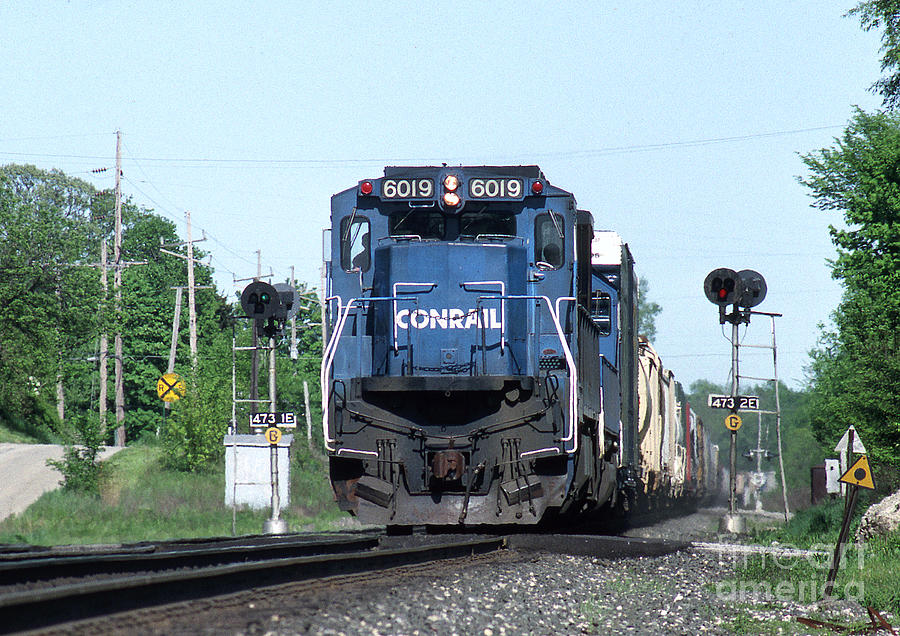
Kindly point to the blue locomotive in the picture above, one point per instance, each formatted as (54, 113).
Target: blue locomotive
(481, 361)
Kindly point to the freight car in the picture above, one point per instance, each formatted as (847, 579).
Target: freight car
(482, 363)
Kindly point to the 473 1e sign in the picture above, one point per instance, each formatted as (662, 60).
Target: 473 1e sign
(733, 402)
(284, 420)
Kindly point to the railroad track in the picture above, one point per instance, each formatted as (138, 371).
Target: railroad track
(46, 591)
(49, 590)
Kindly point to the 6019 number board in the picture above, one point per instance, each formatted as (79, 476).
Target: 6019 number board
(407, 189)
(495, 188)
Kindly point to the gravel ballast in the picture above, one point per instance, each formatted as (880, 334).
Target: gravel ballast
(680, 593)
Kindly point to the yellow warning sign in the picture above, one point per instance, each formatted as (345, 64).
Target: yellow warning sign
(170, 387)
(859, 474)
(733, 422)
(273, 435)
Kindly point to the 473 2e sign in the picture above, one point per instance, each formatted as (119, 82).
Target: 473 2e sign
(733, 402)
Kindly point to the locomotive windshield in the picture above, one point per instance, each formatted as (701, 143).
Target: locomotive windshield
(483, 223)
(417, 223)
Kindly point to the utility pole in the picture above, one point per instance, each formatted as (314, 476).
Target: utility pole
(191, 287)
(294, 353)
(117, 286)
(192, 304)
(176, 323)
(104, 344)
(118, 266)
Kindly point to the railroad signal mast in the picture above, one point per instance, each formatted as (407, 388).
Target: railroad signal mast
(270, 307)
(742, 290)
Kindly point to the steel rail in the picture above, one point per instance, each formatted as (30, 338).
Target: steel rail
(47, 567)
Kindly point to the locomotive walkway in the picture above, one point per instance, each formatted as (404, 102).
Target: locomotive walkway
(25, 475)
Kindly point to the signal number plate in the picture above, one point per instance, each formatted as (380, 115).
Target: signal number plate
(407, 189)
(286, 420)
(740, 402)
(495, 188)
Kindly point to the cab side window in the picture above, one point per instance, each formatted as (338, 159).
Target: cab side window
(549, 241)
(356, 251)
(601, 312)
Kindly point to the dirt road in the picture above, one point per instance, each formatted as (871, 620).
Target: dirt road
(25, 476)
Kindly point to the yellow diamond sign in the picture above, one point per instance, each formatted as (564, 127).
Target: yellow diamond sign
(859, 474)
(170, 387)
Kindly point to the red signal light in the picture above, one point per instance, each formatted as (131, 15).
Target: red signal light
(537, 187)
(366, 187)
(723, 293)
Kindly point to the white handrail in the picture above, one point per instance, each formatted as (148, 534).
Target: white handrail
(328, 359)
(502, 304)
(331, 348)
(573, 370)
(394, 305)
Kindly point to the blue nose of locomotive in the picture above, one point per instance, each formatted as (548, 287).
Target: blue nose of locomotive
(452, 312)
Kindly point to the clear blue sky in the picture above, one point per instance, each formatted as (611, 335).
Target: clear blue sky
(676, 124)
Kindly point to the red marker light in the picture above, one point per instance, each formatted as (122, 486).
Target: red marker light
(366, 187)
(537, 187)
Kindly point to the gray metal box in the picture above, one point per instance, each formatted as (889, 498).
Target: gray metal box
(248, 472)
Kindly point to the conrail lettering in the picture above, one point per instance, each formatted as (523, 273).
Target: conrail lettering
(453, 318)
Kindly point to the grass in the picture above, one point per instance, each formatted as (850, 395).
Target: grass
(15, 437)
(868, 573)
(142, 500)
(744, 622)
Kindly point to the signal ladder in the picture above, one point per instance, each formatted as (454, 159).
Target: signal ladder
(759, 451)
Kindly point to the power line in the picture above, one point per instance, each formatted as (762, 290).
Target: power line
(612, 150)
(52, 137)
(168, 213)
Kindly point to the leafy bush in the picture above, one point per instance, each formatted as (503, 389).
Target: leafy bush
(192, 439)
(80, 467)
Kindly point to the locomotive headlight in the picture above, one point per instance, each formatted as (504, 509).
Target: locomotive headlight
(451, 199)
(451, 183)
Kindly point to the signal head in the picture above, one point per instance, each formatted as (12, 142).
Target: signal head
(754, 288)
(723, 286)
(260, 300)
(290, 300)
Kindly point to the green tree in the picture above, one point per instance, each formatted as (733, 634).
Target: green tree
(52, 307)
(48, 298)
(856, 371)
(647, 311)
(876, 14)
